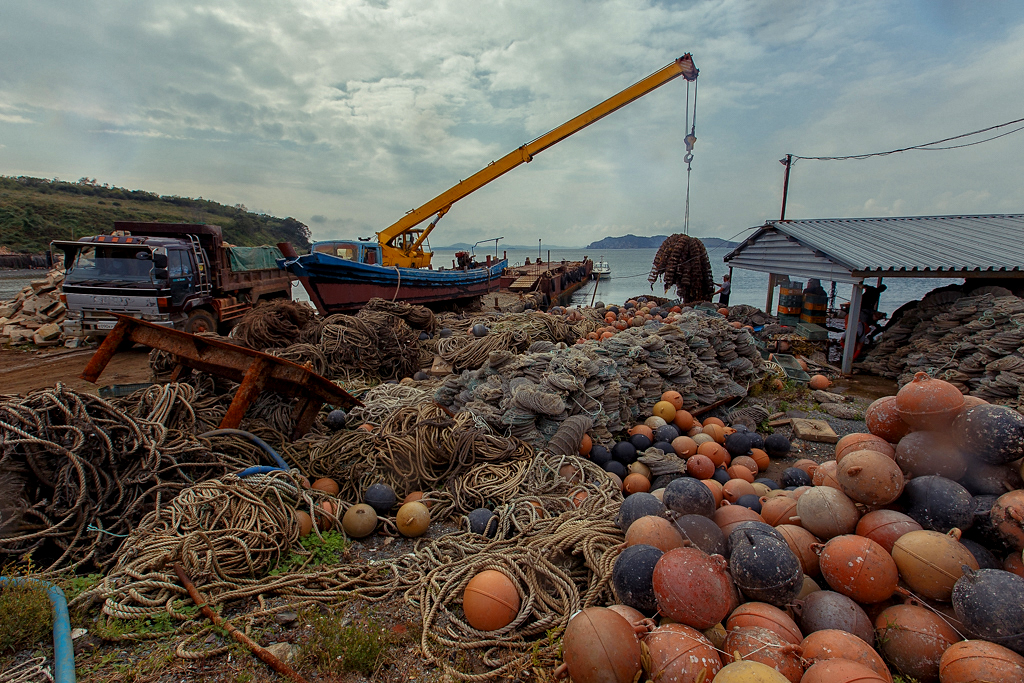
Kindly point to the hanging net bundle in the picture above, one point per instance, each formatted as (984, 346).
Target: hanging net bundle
(682, 262)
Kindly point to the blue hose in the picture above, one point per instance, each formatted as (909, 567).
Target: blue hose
(259, 469)
(63, 650)
(281, 464)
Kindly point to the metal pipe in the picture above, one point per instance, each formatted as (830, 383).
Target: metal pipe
(63, 649)
(254, 439)
(788, 163)
(852, 322)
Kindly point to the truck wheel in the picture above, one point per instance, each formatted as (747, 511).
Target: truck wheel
(200, 321)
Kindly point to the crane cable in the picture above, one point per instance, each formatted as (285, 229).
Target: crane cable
(689, 141)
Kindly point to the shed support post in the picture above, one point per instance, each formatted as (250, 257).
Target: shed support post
(852, 323)
(771, 294)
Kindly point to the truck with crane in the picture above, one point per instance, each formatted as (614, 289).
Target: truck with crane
(342, 275)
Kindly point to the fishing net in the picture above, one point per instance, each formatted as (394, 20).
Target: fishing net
(682, 262)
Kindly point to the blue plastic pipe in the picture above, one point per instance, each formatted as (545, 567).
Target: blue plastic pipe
(281, 464)
(259, 469)
(63, 650)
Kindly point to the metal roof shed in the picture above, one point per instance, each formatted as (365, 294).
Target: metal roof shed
(852, 249)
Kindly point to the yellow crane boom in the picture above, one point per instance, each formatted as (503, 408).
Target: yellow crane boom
(401, 243)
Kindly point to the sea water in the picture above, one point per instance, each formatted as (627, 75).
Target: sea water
(631, 267)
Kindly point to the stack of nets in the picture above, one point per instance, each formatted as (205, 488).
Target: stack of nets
(273, 324)
(750, 315)
(975, 342)
(613, 382)
(77, 472)
(682, 262)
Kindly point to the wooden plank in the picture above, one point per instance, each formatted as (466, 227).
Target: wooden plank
(813, 430)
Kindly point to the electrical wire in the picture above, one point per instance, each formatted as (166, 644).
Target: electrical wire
(928, 146)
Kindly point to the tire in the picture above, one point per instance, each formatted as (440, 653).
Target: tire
(200, 321)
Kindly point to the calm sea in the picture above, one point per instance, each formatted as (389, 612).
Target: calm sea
(630, 268)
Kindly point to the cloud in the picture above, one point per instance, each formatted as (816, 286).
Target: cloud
(363, 110)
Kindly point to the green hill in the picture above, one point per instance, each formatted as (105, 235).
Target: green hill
(34, 211)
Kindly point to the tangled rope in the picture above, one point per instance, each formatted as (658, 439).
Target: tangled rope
(418, 317)
(273, 324)
(82, 472)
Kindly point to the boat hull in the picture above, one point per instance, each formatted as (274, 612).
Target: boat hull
(336, 285)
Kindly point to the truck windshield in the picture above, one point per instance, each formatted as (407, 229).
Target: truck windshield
(104, 265)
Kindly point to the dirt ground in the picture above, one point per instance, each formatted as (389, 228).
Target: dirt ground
(24, 371)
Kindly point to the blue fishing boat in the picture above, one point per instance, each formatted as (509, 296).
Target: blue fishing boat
(342, 275)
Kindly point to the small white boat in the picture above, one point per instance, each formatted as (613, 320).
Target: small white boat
(602, 269)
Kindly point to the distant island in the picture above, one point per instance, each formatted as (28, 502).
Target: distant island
(634, 242)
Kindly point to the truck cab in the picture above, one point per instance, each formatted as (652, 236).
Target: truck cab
(169, 274)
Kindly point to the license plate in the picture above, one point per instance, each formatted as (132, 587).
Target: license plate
(106, 324)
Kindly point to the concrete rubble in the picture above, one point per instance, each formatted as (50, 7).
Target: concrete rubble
(36, 314)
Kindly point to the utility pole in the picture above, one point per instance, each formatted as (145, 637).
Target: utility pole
(788, 163)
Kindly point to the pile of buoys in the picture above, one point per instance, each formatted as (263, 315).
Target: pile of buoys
(880, 562)
(634, 313)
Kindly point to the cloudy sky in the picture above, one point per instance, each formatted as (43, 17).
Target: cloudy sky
(347, 113)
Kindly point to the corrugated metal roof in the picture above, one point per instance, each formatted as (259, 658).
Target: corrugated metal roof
(916, 246)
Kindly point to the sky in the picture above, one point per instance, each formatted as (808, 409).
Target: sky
(346, 114)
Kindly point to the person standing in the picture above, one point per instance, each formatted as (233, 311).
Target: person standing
(723, 291)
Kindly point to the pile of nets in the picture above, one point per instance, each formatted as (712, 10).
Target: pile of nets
(273, 324)
(682, 262)
(750, 315)
(613, 382)
(974, 341)
(77, 472)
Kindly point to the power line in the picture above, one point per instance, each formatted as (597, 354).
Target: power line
(928, 146)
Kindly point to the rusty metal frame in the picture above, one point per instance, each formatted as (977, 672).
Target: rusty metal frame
(253, 370)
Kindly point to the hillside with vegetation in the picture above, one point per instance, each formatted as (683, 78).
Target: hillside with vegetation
(34, 211)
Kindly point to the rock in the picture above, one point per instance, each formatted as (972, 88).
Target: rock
(48, 331)
(286, 617)
(827, 397)
(284, 651)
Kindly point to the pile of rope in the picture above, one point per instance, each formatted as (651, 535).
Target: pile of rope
(974, 341)
(750, 315)
(682, 262)
(273, 324)
(614, 382)
(418, 317)
(79, 472)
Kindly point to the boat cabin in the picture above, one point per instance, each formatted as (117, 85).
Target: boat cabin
(359, 252)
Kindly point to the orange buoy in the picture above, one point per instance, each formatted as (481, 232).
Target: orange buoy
(692, 587)
(636, 483)
(684, 446)
(734, 488)
(600, 646)
(859, 568)
(884, 527)
(827, 475)
(304, 521)
(1014, 563)
(863, 442)
(325, 514)
(728, 516)
(926, 403)
(978, 660)
(802, 543)
(748, 462)
(741, 473)
(366, 427)
(766, 616)
(883, 419)
(642, 429)
(413, 519)
(683, 420)
(665, 410)
(870, 478)
(327, 485)
(631, 615)
(675, 398)
(913, 640)
(841, 671)
(654, 531)
(779, 510)
(700, 466)
(714, 451)
(757, 644)
(491, 601)
(723, 311)
(714, 486)
(716, 432)
(570, 473)
(680, 654)
(359, 521)
(930, 562)
(586, 443)
(806, 465)
(761, 458)
(820, 382)
(832, 643)
(741, 671)
(579, 497)
(1007, 517)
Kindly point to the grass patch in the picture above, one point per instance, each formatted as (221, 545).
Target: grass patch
(27, 617)
(321, 551)
(359, 646)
